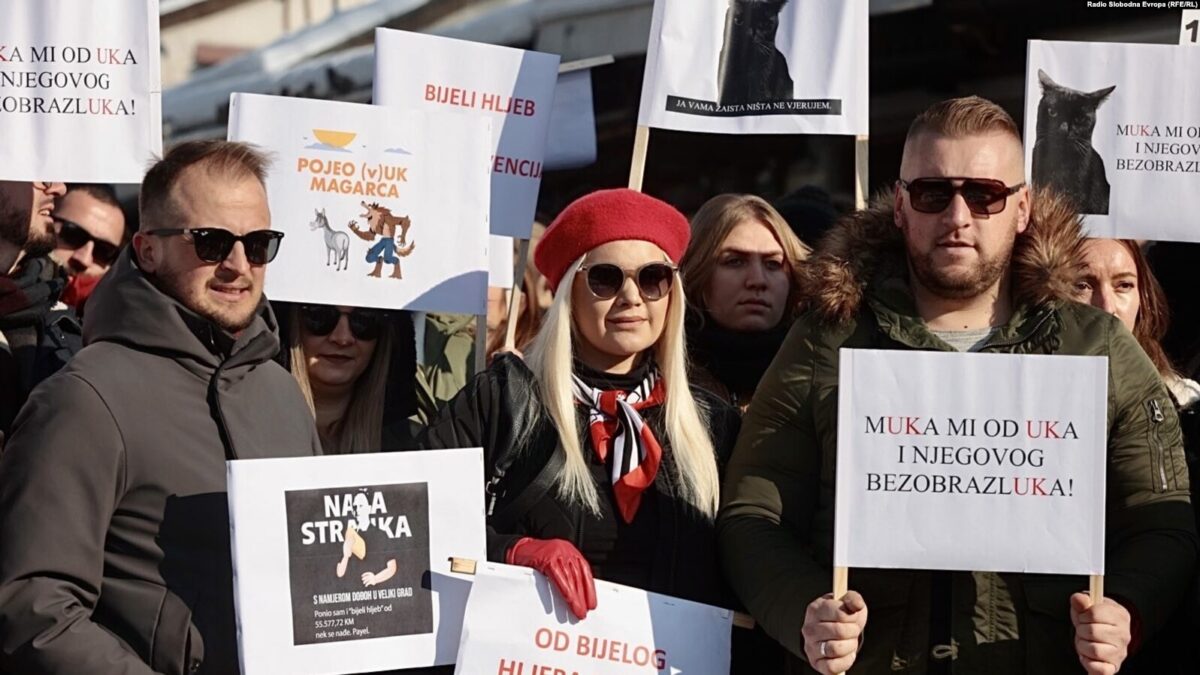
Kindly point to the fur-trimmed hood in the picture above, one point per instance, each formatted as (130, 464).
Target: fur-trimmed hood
(1046, 261)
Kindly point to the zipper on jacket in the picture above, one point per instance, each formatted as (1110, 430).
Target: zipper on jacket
(1154, 408)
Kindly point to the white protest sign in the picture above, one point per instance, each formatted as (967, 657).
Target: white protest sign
(516, 624)
(1189, 28)
(1116, 127)
(513, 87)
(380, 207)
(757, 67)
(80, 98)
(988, 462)
(500, 262)
(340, 561)
(571, 141)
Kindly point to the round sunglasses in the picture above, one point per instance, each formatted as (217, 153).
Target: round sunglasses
(73, 236)
(984, 196)
(605, 280)
(214, 244)
(321, 320)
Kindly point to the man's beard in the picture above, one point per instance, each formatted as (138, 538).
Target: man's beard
(961, 286)
(38, 244)
(168, 282)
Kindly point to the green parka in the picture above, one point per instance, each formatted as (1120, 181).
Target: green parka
(776, 526)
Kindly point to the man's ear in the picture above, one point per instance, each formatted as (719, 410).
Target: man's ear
(143, 248)
(897, 206)
(1024, 208)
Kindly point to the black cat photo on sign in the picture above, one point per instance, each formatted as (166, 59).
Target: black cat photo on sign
(358, 558)
(752, 69)
(757, 66)
(753, 73)
(1063, 156)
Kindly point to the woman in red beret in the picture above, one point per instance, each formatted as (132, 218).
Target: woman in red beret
(601, 460)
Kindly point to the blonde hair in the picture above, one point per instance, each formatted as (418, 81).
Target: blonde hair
(965, 116)
(711, 226)
(361, 430)
(550, 357)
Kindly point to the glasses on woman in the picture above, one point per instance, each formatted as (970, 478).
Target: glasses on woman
(605, 280)
(321, 320)
(213, 244)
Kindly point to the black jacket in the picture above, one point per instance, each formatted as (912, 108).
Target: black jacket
(500, 410)
(113, 513)
(39, 334)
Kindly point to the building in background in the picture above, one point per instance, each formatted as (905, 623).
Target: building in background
(921, 51)
(197, 34)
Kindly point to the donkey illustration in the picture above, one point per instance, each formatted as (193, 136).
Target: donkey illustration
(337, 244)
(392, 230)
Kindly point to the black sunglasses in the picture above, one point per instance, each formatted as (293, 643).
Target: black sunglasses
(321, 320)
(984, 196)
(214, 244)
(73, 236)
(605, 280)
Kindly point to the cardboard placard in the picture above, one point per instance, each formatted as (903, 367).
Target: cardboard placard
(80, 76)
(988, 462)
(380, 208)
(340, 561)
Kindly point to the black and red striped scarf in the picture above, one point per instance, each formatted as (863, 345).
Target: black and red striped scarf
(617, 429)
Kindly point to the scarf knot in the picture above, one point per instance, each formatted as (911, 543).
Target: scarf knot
(618, 431)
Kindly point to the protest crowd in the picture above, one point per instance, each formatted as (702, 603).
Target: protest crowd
(663, 414)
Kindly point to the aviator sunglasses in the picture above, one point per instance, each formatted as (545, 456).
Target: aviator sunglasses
(214, 244)
(984, 196)
(653, 280)
(73, 236)
(321, 320)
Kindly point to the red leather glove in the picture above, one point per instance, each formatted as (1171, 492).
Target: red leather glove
(563, 564)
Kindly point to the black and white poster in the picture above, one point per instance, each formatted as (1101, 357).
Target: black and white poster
(341, 563)
(356, 558)
(757, 66)
(1116, 128)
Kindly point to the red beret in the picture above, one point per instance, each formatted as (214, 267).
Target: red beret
(604, 216)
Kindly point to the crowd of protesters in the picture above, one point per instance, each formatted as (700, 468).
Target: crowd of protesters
(666, 417)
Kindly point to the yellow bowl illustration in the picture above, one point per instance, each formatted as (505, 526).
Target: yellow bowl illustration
(337, 139)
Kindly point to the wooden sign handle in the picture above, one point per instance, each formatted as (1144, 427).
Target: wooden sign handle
(1096, 588)
(514, 298)
(480, 343)
(861, 155)
(841, 580)
(468, 566)
(637, 168)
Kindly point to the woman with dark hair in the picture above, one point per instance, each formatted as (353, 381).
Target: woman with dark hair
(1117, 278)
(356, 368)
(740, 272)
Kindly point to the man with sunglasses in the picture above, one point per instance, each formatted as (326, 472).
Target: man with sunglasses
(964, 258)
(112, 487)
(89, 229)
(38, 334)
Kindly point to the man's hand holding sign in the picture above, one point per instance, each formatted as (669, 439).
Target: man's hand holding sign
(1103, 633)
(833, 630)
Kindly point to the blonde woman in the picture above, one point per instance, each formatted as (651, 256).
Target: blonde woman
(601, 459)
(355, 367)
(740, 272)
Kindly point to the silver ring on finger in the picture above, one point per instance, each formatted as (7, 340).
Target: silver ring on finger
(824, 649)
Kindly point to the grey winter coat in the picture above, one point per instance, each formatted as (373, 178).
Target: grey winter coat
(113, 516)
